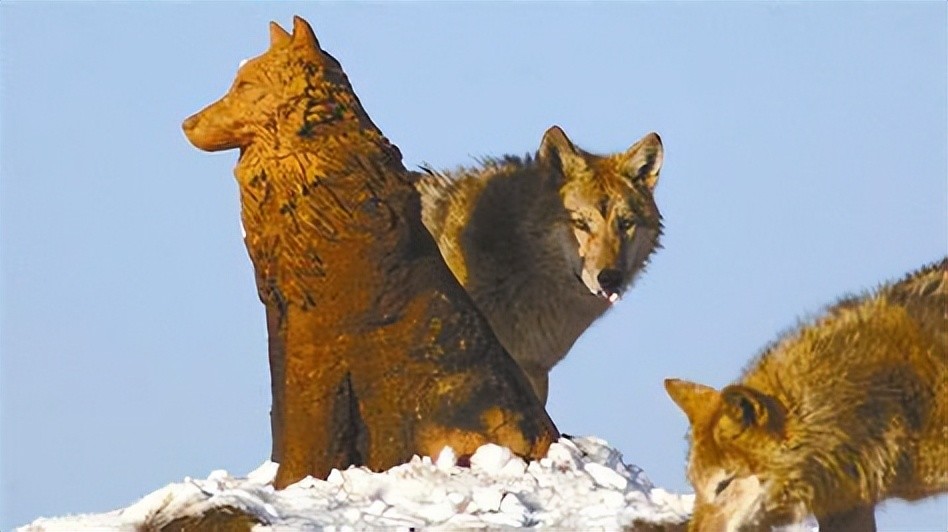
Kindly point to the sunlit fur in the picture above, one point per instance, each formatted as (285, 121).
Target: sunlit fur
(530, 237)
(842, 413)
(376, 354)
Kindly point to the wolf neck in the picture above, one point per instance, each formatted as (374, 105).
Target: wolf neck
(282, 182)
(298, 207)
(537, 327)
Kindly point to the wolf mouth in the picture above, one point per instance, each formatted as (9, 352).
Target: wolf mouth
(611, 297)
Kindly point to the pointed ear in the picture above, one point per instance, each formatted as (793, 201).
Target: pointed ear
(643, 160)
(555, 141)
(559, 152)
(691, 397)
(747, 407)
(278, 36)
(303, 33)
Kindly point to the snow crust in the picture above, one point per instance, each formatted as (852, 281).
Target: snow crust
(582, 483)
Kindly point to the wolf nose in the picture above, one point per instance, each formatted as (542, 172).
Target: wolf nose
(190, 122)
(610, 279)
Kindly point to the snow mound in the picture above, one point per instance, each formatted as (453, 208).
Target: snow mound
(582, 483)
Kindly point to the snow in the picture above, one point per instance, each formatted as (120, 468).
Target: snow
(582, 483)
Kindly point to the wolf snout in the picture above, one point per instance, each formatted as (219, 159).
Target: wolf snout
(195, 132)
(610, 280)
(190, 123)
(211, 130)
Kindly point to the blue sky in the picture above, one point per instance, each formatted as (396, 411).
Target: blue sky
(805, 158)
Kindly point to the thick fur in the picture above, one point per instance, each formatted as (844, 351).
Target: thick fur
(545, 244)
(843, 413)
(376, 352)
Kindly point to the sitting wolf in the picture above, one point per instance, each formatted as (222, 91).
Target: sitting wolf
(376, 352)
(831, 419)
(545, 244)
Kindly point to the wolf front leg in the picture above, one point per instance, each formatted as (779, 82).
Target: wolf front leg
(539, 378)
(317, 423)
(277, 358)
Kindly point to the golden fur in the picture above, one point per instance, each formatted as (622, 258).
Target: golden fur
(831, 419)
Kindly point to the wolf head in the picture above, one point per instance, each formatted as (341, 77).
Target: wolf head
(611, 208)
(275, 100)
(313, 170)
(735, 433)
(242, 114)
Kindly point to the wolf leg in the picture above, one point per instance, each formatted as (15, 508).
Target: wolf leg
(539, 378)
(541, 385)
(320, 425)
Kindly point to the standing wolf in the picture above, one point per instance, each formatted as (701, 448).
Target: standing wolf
(831, 419)
(544, 245)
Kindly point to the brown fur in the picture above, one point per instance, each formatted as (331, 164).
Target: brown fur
(531, 239)
(376, 352)
(831, 419)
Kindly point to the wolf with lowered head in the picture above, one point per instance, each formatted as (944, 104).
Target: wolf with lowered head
(833, 418)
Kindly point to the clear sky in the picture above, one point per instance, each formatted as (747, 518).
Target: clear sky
(805, 158)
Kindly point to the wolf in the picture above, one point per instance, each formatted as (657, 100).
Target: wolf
(376, 352)
(841, 413)
(545, 244)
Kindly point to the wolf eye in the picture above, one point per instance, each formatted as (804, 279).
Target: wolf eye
(722, 486)
(581, 224)
(626, 223)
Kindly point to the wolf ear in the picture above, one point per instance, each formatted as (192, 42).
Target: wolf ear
(557, 151)
(643, 160)
(303, 33)
(691, 397)
(747, 407)
(278, 36)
